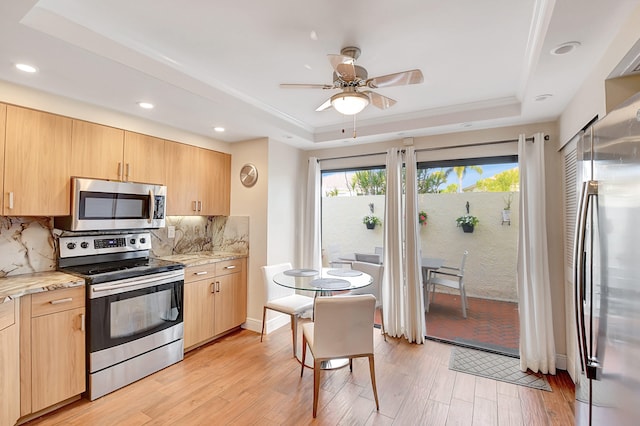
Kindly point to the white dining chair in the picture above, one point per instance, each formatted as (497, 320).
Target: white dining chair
(450, 277)
(284, 300)
(342, 328)
(375, 288)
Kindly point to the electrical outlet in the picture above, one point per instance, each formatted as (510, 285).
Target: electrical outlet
(171, 231)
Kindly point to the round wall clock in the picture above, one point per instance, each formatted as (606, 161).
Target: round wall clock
(248, 175)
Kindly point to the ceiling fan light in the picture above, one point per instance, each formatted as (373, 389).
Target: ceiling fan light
(349, 103)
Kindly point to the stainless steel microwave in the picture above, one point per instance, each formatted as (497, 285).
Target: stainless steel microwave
(111, 205)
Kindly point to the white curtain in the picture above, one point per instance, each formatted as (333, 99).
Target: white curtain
(393, 282)
(537, 347)
(312, 251)
(415, 329)
(403, 308)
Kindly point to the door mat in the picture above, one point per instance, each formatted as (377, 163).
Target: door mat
(496, 367)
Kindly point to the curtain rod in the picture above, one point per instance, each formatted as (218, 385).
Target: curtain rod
(546, 138)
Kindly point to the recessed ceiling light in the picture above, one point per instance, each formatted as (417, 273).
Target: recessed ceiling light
(145, 105)
(565, 48)
(26, 68)
(313, 35)
(543, 97)
(467, 124)
(219, 129)
(307, 66)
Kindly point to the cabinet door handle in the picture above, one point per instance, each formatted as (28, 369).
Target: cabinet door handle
(82, 322)
(120, 171)
(195, 206)
(10, 200)
(217, 286)
(213, 287)
(230, 267)
(199, 206)
(201, 273)
(66, 300)
(127, 179)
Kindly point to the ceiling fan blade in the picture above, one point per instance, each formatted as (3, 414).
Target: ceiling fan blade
(396, 79)
(325, 105)
(307, 86)
(343, 66)
(378, 100)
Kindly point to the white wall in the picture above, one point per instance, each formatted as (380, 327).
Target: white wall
(253, 202)
(273, 205)
(591, 98)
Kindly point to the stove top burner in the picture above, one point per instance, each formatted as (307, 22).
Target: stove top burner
(96, 273)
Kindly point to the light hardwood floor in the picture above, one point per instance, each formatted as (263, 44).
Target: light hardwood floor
(238, 380)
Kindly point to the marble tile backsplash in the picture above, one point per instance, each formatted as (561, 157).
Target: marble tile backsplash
(201, 233)
(28, 244)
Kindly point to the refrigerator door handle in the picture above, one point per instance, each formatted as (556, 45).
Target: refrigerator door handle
(589, 192)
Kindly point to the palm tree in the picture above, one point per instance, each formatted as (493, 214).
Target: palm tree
(461, 171)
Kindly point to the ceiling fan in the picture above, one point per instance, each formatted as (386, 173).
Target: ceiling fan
(354, 82)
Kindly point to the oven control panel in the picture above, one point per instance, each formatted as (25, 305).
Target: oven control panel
(72, 246)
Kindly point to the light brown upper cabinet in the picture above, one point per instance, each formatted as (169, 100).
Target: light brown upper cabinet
(36, 163)
(104, 152)
(144, 158)
(96, 151)
(198, 181)
(3, 120)
(215, 183)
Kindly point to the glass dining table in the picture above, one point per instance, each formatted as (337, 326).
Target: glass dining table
(323, 283)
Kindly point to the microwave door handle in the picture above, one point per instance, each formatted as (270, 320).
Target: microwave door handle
(152, 205)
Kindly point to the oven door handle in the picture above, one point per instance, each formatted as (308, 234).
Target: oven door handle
(135, 283)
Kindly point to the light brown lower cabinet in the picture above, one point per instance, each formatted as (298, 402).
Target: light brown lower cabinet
(52, 349)
(9, 363)
(215, 300)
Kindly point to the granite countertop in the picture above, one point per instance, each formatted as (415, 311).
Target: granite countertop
(202, 257)
(20, 285)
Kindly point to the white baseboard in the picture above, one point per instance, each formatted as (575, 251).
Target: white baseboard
(561, 361)
(278, 320)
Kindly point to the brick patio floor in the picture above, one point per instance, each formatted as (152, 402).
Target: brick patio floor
(490, 324)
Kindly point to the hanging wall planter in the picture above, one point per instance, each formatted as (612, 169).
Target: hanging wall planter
(467, 222)
(467, 228)
(371, 221)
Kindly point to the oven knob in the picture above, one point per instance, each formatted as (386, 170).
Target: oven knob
(132, 241)
(143, 240)
(84, 244)
(71, 246)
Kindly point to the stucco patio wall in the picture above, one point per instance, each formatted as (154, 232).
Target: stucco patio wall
(491, 265)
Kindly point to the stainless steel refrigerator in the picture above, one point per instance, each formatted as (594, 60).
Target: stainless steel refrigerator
(607, 269)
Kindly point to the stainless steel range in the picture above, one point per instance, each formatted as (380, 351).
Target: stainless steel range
(134, 307)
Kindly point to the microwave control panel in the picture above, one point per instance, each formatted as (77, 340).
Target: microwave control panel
(158, 213)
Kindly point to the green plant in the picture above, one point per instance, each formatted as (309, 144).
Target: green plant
(371, 220)
(422, 217)
(467, 219)
(507, 201)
